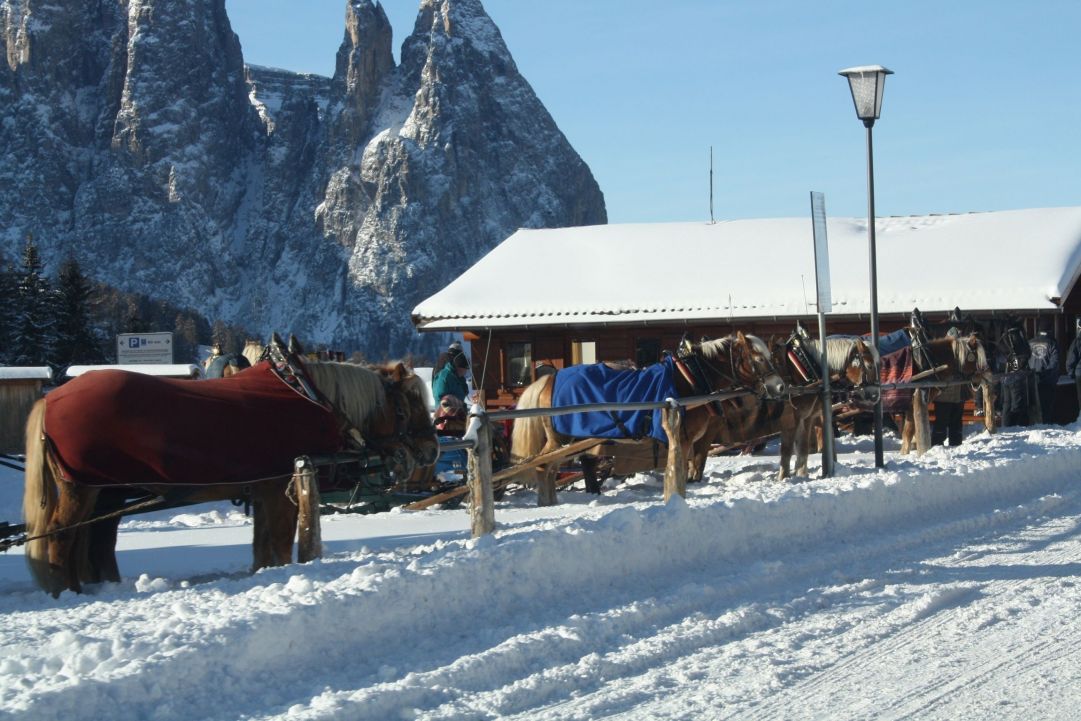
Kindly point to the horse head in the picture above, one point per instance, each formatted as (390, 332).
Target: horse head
(405, 423)
(971, 358)
(755, 367)
(861, 365)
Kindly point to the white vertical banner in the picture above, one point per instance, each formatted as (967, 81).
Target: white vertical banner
(825, 305)
(822, 252)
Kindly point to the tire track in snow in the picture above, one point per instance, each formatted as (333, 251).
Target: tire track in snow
(920, 700)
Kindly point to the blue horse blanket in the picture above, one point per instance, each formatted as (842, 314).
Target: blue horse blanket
(597, 383)
(893, 342)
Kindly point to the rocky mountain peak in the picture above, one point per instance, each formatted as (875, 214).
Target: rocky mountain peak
(135, 139)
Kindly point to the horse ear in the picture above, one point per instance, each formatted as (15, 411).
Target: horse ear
(742, 339)
(399, 372)
(294, 345)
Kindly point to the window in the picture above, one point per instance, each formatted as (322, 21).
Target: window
(519, 364)
(647, 351)
(583, 351)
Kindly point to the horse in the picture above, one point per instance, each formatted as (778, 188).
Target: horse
(253, 351)
(110, 436)
(798, 360)
(735, 361)
(960, 358)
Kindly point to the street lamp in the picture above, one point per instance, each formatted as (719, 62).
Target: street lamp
(867, 83)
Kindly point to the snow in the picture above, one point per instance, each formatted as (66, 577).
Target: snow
(172, 370)
(25, 373)
(764, 268)
(940, 587)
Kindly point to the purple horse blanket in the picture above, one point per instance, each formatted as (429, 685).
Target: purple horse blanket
(597, 383)
(118, 428)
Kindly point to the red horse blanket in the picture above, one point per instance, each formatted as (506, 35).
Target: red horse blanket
(897, 368)
(117, 428)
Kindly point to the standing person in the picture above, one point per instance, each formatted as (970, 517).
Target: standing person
(950, 402)
(1044, 364)
(451, 377)
(1073, 359)
(1014, 391)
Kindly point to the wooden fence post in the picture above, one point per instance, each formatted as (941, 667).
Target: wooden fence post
(675, 473)
(479, 467)
(546, 485)
(309, 533)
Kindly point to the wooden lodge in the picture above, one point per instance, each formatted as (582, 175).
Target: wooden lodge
(557, 297)
(20, 387)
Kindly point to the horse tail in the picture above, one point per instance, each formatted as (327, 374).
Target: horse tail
(39, 497)
(531, 435)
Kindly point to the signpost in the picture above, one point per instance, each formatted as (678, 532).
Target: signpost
(136, 348)
(825, 305)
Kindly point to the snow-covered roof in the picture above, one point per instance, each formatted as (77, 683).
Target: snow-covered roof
(1004, 260)
(174, 370)
(25, 373)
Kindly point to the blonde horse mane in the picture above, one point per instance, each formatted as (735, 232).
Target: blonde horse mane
(838, 350)
(354, 390)
(717, 348)
(960, 353)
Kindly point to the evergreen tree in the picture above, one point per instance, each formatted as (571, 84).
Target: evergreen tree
(185, 339)
(133, 317)
(9, 301)
(75, 340)
(33, 335)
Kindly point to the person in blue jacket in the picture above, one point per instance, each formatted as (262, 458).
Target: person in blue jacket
(451, 378)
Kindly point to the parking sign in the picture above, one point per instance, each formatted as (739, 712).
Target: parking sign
(134, 348)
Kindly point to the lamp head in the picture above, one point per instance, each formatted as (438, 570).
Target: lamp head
(867, 83)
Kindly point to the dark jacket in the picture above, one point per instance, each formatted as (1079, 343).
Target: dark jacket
(448, 382)
(1073, 358)
(1044, 359)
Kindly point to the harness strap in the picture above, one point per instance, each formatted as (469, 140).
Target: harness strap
(794, 360)
(22, 539)
(696, 378)
(289, 368)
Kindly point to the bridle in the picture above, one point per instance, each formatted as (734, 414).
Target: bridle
(405, 433)
(698, 365)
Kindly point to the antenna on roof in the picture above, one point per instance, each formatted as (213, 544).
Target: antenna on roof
(711, 221)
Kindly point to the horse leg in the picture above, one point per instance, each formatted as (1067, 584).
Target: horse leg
(696, 465)
(589, 472)
(907, 427)
(101, 562)
(67, 546)
(804, 431)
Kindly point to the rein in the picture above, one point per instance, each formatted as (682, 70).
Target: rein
(22, 539)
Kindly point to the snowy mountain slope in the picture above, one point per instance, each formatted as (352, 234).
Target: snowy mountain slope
(135, 139)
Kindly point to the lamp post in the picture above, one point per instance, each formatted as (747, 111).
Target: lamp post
(867, 83)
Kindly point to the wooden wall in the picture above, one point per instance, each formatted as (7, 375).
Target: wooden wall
(16, 399)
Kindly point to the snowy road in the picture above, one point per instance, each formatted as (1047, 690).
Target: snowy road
(939, 588)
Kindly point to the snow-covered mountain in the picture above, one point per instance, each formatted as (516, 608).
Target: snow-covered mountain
(133, 137)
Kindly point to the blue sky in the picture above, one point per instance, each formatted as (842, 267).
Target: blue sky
(983, 112)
